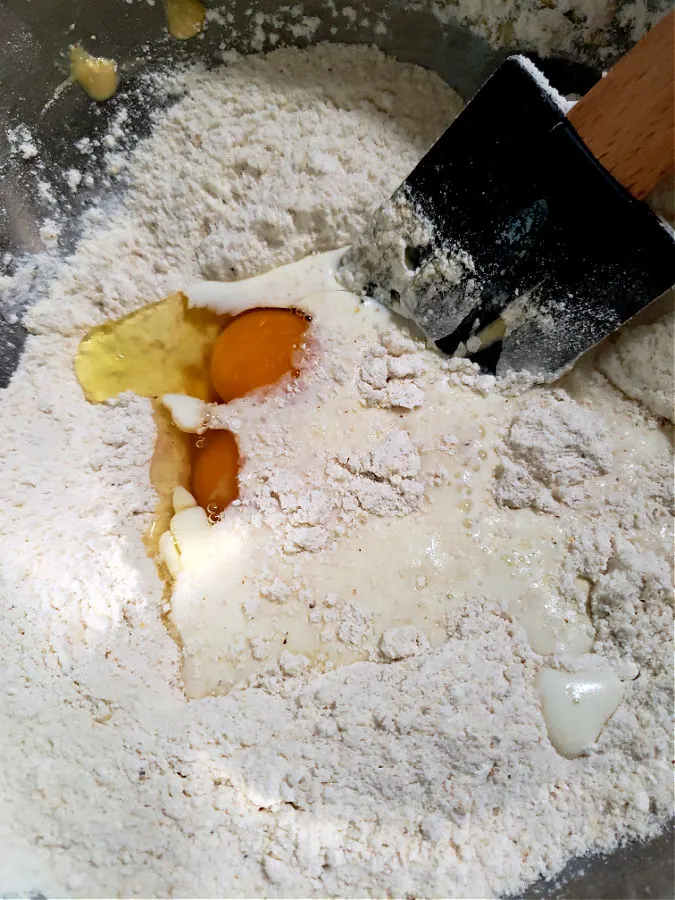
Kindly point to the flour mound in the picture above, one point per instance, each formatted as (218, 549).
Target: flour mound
(401, 643)
(387, 377)
(631, 604)
(641, 364)
(384, 481)
(552, 444)
(287, 503)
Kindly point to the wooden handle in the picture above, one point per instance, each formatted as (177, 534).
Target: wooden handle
(628, 119)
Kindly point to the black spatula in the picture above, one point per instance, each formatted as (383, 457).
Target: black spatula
(521, 238)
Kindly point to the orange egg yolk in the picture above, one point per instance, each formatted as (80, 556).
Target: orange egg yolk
(255, 350)
(215, 466)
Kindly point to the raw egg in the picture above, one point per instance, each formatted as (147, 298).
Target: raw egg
(215, 467)
(162, 348)
(168, 348)
(256, 350)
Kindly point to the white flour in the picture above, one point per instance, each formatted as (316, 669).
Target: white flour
(641, 365)
(431, 774)
(551, 444)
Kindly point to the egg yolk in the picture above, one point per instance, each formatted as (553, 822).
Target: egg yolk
(255, 350)
(215, 466)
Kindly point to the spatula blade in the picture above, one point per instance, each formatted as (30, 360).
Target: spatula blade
(509, 242)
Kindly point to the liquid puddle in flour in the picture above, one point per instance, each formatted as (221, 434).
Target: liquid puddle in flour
(235, 614)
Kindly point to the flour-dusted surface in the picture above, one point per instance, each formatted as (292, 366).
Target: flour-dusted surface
(430, 773)
(641, 364)
(551, 444)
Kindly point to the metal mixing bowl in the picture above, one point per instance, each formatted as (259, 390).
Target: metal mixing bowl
(34, 37)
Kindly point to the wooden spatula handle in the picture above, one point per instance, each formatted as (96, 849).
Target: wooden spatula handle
(628, 119)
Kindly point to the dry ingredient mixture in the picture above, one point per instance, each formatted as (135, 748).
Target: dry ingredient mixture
(425, 768)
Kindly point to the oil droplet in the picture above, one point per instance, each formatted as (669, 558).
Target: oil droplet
(467, 506)
(184, 18)
(163, 348)
(96, 74)
(482, 454)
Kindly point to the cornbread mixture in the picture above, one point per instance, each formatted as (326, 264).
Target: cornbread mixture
(426, 650)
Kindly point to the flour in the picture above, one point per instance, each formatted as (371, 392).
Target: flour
(387, 375)
(641, 365)
(384, 480)
(21, 142)
(426, 770)
(588, 28)
(401, 643)
(552, 444)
